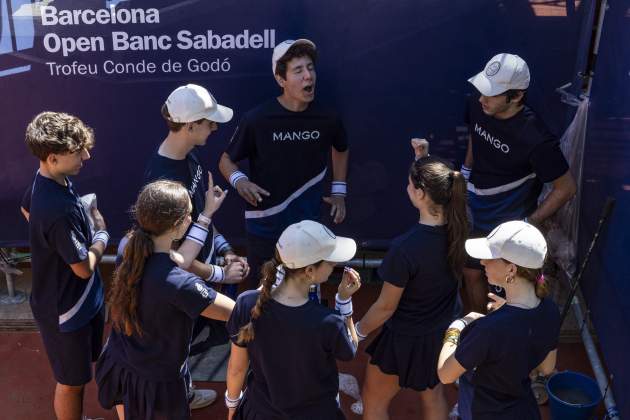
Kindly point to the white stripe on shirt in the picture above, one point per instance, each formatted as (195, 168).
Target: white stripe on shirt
(500, 188)
(65, 317)
(257, 214)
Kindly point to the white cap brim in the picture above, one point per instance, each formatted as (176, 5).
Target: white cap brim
(221, 114)
(485, 86)
(479, 248)
(345, 248)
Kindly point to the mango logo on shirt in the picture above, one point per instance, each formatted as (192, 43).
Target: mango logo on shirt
(202, 290)
(494, 141)
(296, 135)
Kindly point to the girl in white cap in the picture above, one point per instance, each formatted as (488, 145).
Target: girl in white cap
(419, 295)
(494, 355)
(287, 344)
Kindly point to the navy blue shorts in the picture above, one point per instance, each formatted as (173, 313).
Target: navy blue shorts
(259, 251)
(71, 353)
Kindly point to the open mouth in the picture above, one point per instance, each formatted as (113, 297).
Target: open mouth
(309, 89)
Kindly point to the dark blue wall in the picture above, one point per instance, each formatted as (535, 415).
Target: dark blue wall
(607, 173)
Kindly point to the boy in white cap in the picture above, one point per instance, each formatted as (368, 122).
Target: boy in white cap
(287, 141)
(192, 114)
(511, 154)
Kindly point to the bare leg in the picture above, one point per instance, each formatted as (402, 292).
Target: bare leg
(68, 402)
(120, 410)
(476, 288)
(434, 405)
(378, 391)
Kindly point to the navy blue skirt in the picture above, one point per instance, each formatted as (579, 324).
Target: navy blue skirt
(413, 359)
(143, 399)
(248, 411)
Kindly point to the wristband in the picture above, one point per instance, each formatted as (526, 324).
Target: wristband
(459, 324)
(237, 176)
(197, 233)
(232, 403)
(465, 171)
(360, 336)
(339, 188)
(203, 219)
(102, 236)
(221, 245)
(343, 306)
(217, 276)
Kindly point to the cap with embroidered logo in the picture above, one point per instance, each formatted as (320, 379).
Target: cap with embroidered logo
(503, 72)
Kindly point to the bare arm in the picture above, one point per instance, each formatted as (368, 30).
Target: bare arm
(25, 213)
(382, 309)
(87, 267)
(250, 192)
(340, 164)
(549, 364)
(448, 367)
(468, 162)
(563, 189)
(236, 372)
(220, 309)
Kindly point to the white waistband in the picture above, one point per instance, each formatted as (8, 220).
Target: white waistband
(500, 188)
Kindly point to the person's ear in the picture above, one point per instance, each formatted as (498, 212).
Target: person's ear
(51, 159)
(281, 81)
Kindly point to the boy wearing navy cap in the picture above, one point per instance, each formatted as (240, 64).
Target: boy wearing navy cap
(511, 154)
(67, 294)
(287, 141)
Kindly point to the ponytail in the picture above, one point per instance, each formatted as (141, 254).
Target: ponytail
(246, 333)
(457, 222)
(536, 277)
(123, 296)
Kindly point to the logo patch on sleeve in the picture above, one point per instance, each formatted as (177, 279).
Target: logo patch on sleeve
(202, 290)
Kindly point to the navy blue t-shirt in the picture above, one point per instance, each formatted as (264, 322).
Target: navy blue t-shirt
(288, 155)
(499, 351)
(169, 300)
(60, 235)
(512, 158)
(192, 175)
(293, 371)
(417, 262)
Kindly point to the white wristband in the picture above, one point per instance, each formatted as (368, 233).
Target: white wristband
(237, 176)
(232, 403)
(197, 233)
(203, 219)
(343, 306)
(360, 336)
(339, 188)
(465, 170)
(102, 236)
(460, 324)
(217, 276)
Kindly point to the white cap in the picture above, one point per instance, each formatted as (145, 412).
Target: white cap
(518, 242)
(192, 103)
(503, 72)
(282, 48)
(309, 242)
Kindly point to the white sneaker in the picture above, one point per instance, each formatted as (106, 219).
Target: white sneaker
(202, 398)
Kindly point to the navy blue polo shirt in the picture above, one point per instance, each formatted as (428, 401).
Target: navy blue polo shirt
(499, 351)
(417, 262)
(293, 370)
(512, 159)
(169, 300)
(288, 156)
(60, 235)
(191, 174)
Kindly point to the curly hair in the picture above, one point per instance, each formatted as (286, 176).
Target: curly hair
(57, 133)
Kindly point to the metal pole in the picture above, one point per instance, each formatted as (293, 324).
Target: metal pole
(598, 36)
(596, 363)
